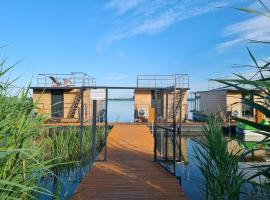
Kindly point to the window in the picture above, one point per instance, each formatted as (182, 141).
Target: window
(57, 105)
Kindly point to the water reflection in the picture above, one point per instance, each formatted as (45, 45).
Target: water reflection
(120, 111)
(64, 183)
(191, 179)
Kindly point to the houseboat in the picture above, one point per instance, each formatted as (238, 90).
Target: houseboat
(58, 96)
(157, 89)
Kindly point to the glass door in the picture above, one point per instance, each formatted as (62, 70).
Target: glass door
(57, 103)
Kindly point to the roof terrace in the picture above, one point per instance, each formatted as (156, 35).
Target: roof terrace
(74, 79)
(163, 81)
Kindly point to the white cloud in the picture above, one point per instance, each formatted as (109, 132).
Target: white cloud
(117, 77)
(122, 6)
(151, 17)
(255, 28)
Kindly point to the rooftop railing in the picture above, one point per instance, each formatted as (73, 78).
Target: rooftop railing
(74, 79)
(163, 81)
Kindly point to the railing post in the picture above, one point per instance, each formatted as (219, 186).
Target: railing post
(180, 126)
(166, 145)
(106, 124)
(94, 126)
(174, 129)
(155, 127)
(166, 108)
(81, 124)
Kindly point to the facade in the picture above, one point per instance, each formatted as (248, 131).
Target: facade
(224, 100)
(164, 85)
(58, 96)
(62, 104)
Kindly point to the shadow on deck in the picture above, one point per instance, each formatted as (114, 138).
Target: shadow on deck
(130, 172)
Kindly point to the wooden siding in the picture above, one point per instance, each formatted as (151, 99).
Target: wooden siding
(233, 101)
(142, 98)
(43, 100)
(69, 96)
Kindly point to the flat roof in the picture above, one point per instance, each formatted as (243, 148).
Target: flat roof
(226, 90)
(105, 87)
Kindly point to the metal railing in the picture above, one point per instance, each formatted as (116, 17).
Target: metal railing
(74, 79)
(167, 133)
(163, 81)
(166, 148)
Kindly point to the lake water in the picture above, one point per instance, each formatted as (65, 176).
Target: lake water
(189, 176)
(120, 111)
(191, 179)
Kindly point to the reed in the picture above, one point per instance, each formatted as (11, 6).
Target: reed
(21, 165)
(218, 165)
(63, 143)
(30, 152)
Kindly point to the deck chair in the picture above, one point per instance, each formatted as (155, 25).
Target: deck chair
(55, 81)
(67, 82)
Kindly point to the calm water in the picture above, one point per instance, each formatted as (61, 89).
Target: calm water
(191, 179)
(120, 111)
(64, 184)
(189, 176)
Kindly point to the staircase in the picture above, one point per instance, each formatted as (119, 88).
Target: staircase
(74, 106)
(179, 98)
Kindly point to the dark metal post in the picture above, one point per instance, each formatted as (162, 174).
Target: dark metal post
(174, 131)
(166, 145)
(166, 108)
(106, 124)
(94, 126)
(195, 101)
(155, 127)
(180, 126)
(81, 124)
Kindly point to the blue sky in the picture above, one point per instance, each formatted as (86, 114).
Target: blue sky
(114, 40)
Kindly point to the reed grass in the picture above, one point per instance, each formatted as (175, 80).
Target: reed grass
(21, 165)
(218, 165)
(30, 152)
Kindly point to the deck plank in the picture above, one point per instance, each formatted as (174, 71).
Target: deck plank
(130, 172)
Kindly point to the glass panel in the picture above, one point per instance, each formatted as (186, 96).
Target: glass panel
(57, 103)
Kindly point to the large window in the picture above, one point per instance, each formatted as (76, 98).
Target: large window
(57, 103)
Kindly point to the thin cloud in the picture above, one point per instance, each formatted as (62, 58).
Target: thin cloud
(122, 6)
(255, 28)
(152, 17)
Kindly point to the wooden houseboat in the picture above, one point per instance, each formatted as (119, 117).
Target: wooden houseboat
(58, 96)
(227, 101)
(169, 88)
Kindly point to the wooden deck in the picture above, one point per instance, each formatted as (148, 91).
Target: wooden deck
(130, 172)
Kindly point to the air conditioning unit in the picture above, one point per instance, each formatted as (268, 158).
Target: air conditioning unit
(143, 111)
(236, 113)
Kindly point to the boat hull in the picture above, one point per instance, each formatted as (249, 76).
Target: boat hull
(250, 135)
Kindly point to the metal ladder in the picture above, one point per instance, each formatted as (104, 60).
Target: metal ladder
(179, 98)
(74, 106)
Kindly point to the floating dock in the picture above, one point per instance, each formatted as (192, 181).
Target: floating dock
(129, 172)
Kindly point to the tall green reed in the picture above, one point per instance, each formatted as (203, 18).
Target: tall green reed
(21, 165)
(218, 165)
(257, 86)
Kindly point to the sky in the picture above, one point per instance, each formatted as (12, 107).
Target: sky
(114, 40)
